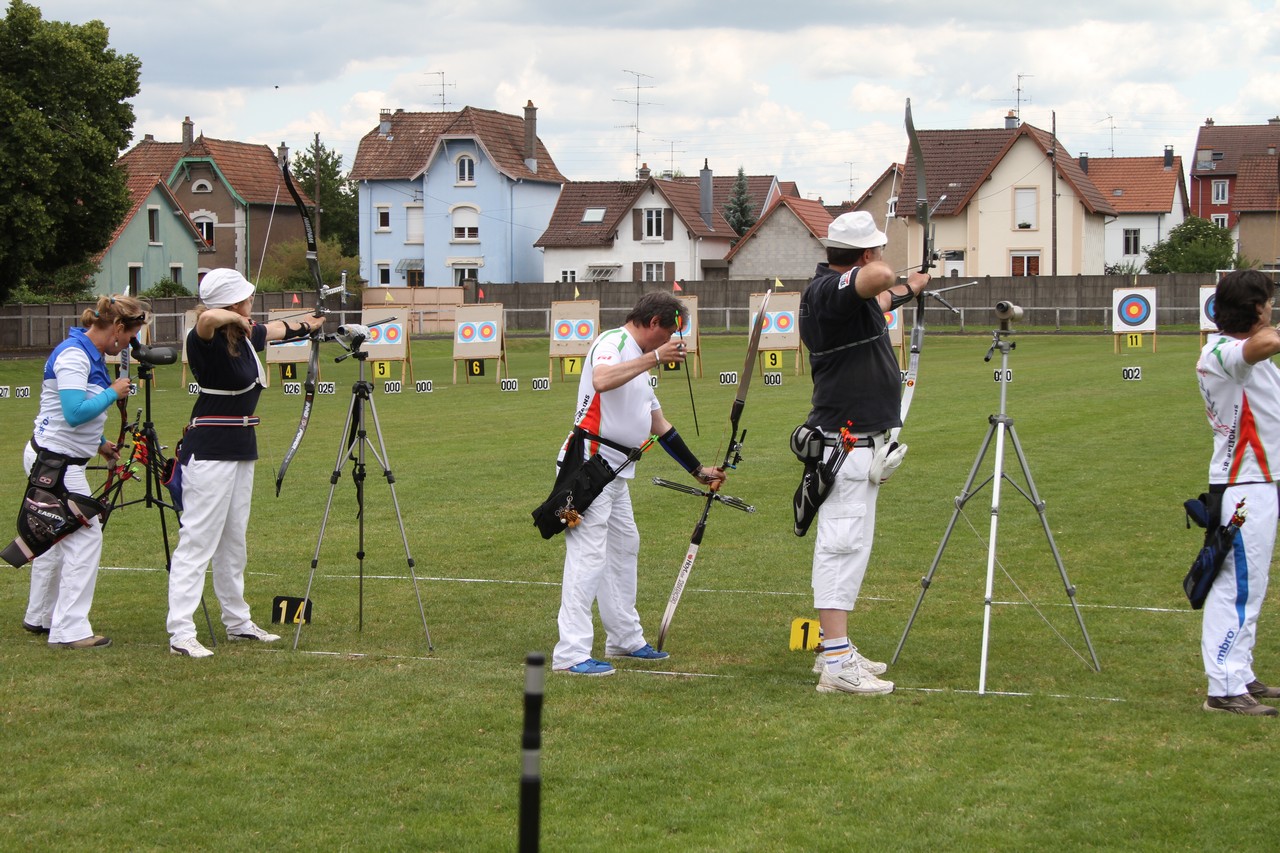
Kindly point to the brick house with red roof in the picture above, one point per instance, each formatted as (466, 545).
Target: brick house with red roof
(1150, 198)
(651, 229)
(232, 191)
(155, 240)
(451, 197)
(1235, 183)
(998, 215)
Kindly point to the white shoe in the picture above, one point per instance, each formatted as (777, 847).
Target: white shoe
(252, 632)
(191, 647)
(853, 679)
(874, 667)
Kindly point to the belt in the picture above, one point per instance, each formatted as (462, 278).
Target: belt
(225, 421)
(71, 460)
(833, 440)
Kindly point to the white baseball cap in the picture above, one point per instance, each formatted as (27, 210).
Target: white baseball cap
(222, 287)
(856, 230)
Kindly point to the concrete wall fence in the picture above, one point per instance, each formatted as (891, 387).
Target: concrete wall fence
(1055, 302)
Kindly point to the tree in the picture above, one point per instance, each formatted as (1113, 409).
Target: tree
(338, 198)
(63, 105)
(1196, 245)
(739, 209)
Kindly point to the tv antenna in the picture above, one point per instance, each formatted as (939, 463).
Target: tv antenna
(444, 103)
(637, 103)
(1017, 102)
(673, 143)
(1110, 118)
(850, 164)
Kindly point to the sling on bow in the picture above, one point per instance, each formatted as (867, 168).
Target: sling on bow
(732, 456)
(317, 334)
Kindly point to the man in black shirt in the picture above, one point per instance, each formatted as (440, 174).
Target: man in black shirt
(857, 399)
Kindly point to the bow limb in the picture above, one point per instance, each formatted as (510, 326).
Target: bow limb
(731, 458)
(680, 324)
(313, 361)
(123, 405)
(928, 255)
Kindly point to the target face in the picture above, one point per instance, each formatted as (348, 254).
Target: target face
(1134, 309)
(487, 331)
(466, 333)
(777, 322)
(564, 330)
(891, 320)
(387, 333)
(585, 330)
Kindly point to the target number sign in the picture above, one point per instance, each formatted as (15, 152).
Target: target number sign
(571, 365)
(288, 371)
(290, 609)
(1134, 340)
(382, 369)
(475, 366)
(772, 359)
(805, 634)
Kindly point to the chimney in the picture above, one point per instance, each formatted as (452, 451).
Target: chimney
(1168, 157)
(1208, 122)
(1084, 162)
(282, 153)
(147, 137)
(704, 187)
(531, 137)
(1011, 121)
(643, 174)
(384, 122)
(188, 134)
(1274, 121)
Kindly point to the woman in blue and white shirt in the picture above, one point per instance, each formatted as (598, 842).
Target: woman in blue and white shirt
(75, 395)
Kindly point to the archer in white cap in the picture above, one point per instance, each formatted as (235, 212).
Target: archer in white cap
(856, 399)
(217, 457)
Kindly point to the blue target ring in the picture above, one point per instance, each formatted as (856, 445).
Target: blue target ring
(1134, 310)
(1209, 307)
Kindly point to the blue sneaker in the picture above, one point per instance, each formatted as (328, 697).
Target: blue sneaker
(645, 652)
(591, 666)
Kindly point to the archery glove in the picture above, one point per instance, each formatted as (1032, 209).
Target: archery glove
(885, 461)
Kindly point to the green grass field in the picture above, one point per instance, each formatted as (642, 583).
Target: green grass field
(365, 740)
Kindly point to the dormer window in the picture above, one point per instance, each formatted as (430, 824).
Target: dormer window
(202, 186)
(466, 169)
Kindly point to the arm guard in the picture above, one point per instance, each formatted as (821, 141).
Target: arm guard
(293, 333)
(679, 451)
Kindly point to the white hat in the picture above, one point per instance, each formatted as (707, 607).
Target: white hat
(222, 287)
(856, 230)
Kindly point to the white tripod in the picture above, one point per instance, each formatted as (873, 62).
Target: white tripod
(1000, 424)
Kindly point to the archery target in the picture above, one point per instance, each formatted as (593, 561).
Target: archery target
(478, 332)
(287, 352)
(779, 330)
(893, 322)
(1208, 322)
(387, 332)
(1134, 310)
(573, 326)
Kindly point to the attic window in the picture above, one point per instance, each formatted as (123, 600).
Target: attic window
(603, 272)
(202, 186)
(593, 214)
(1117, 192)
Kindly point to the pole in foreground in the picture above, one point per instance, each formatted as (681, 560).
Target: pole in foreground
(531, 752)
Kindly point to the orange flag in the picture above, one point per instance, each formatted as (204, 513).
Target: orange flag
(676, 288)
(480, 292)
(296, 300)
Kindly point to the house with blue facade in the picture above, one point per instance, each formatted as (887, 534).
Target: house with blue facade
(451, 197)
(156, 240)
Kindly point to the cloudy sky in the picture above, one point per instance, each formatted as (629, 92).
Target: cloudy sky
(811, 90)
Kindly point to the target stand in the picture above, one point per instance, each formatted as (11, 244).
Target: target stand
(1133, 313)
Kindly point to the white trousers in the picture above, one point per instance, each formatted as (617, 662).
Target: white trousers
(1230, 628)
(846, 526)
(216, 497)
(600, 563)
(64, 577)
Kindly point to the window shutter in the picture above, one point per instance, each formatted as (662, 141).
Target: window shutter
(669, 271)
(637, 225)
(637, 271)
(668, 215)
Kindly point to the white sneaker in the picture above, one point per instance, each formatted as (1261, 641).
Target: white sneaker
(252, 632)
(853, 679)
(874, 667)
(191, 647)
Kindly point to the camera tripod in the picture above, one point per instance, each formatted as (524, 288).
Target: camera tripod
(353, 445)
(1000, 424)
(146, 458)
